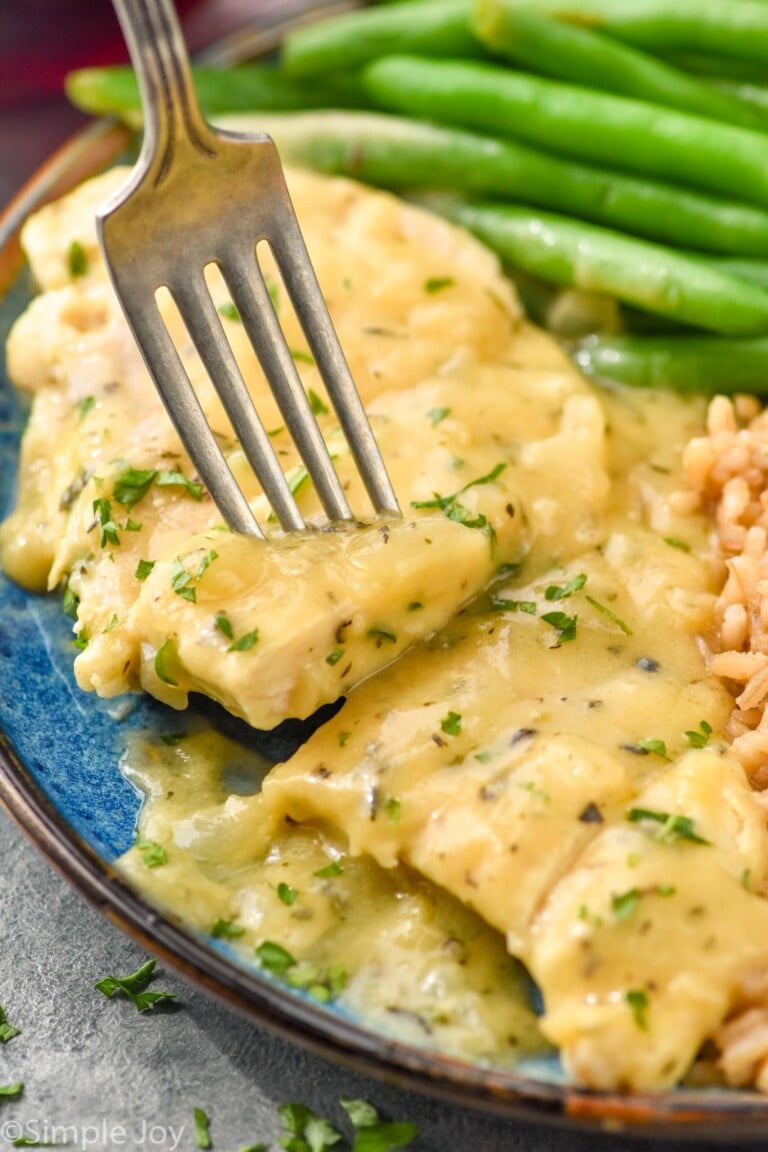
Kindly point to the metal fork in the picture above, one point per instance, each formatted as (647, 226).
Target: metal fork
(198, 197)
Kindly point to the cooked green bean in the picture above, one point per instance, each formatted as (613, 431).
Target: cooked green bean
(595, 126)
(583, 56)
(736, 28)
(649, 276)
(397, 153)
(686, 363)
(433, 27)
(115, 92)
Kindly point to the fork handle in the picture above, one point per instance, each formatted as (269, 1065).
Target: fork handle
(172, 116)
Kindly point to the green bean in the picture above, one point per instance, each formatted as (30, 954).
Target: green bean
(756, 95)
(649, 276)
(432, 27)
(582, 56)
(737, 28)
(686, 363)
(114, 91)
(396, 153)
(589, 125)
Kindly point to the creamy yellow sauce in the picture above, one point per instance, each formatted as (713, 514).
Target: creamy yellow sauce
(530, 759)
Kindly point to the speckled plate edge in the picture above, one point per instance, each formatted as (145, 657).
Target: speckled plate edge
(681, 1115)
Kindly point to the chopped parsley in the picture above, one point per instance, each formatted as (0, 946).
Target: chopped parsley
(134, 987)
(563, 591)
(70, 602)
(435, 415)
(245, 642)
(502, 604)
(316, 403)
(77, 260)
(7, 1031)
(229, 312)
(102, 510)
(380, 632)
(227, 930)
(335, 868)
(454, 510)
(451, 724)
(286, 893)
(274, 958)
(334, 656)
(11, 1091)
(165, 655)
(153, 855)
(625, 903)
(602, 608)
(172, 479)
(132, 486)
(638, 1002)
(673, 827)
(224, 625)
(302, 357)
(373, 1134)
(304, 1131)
(343, 738)
(652, 748)
(437, 284)
(202, 1133)
(673, 542)
(700, 738)
(394, 809)
(564, 625)
(415, 606)
(320, 984)
(112, 624)
(84, 406)
(183, 581)
(143, 569)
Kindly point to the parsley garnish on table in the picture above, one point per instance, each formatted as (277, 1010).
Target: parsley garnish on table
(7, 1031)
(135, 988)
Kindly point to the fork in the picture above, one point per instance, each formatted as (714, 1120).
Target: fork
(198, 197)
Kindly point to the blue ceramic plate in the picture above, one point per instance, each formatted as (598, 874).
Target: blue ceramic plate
(59, 776)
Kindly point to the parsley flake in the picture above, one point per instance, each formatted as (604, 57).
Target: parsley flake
(7, 1031)
(132, 486)
(563, 591)
(638, 1002)
(374, 1135)
(700, 738)
(143, 569)
(673, 826)
(11, 1091)
(652, 747)
(102, 510)
(451, 724)
(302, 357)
(77, 260)
(274, 958)
(379, 633)
(435, 415)
(229, 312)
(84, 406)
(335, 868)
(605, 611)
(334, 656)
(502, 604)
(134, 987)
(437, 284)
(625, 903)
(227, 930)
(202, 1125)
(224, 625)
(165, 656)
(286, 893)
(564, 625)
(315, 402)
(245, 642)
(153, 855)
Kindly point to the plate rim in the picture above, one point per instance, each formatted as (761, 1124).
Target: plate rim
(689, 1115)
